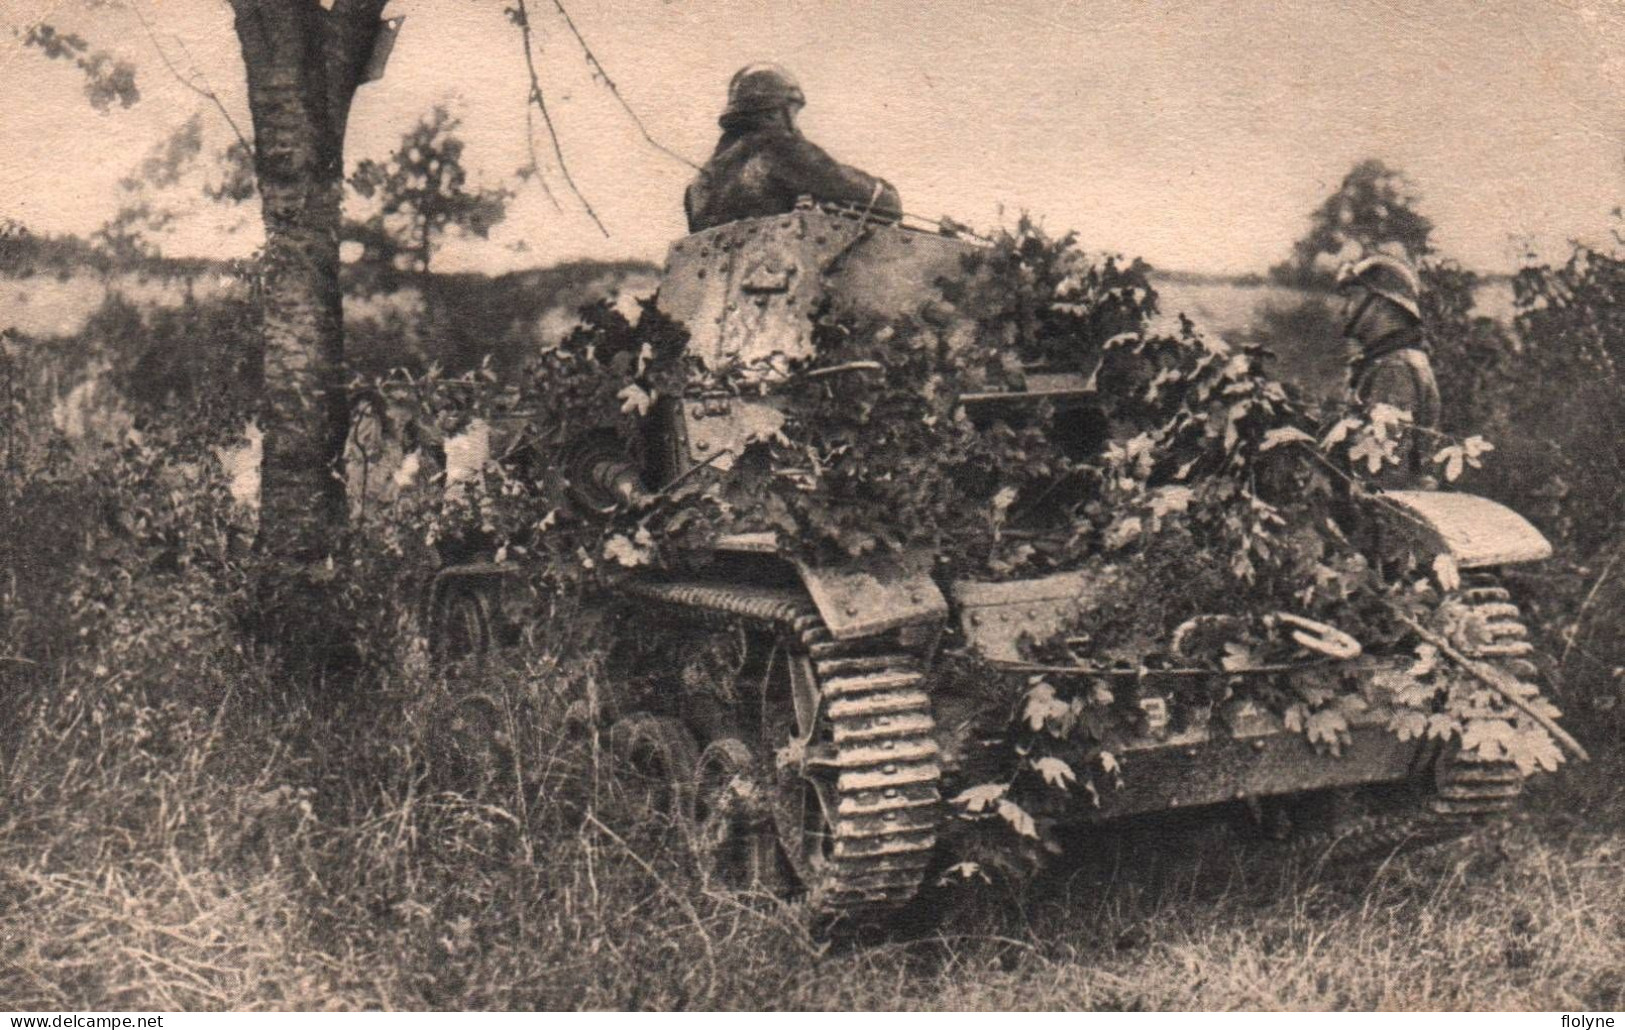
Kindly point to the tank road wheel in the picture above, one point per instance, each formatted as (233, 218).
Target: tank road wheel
(462, 623)
(842, 736)
(855, 796)
(734, 843)
(653, 758)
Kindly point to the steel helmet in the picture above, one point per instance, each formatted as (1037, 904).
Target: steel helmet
(762, 87)
(1386, 276)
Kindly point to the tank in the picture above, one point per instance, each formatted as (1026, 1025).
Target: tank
(805, 730)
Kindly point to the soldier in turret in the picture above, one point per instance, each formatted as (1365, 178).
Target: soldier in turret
(763, 165)
(1382, 315)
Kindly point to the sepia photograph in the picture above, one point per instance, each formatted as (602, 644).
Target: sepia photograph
(842, 505)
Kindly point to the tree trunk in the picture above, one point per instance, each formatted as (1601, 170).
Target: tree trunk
(303, 66)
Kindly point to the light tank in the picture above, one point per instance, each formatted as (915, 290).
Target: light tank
(812, 750)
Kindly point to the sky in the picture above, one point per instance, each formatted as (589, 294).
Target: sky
(1198, 134)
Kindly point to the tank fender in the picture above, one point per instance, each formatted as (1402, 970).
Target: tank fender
(1475, 531)
(861, 598)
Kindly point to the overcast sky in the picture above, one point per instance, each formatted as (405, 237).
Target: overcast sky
(1196, 134)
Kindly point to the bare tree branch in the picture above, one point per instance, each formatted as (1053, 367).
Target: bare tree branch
(598, 70)
(535, 162)
(523, 18)
(205, 90)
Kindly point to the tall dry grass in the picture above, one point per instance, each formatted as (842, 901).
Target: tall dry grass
(250, 847)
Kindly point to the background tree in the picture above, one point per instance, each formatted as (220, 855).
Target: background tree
(106, 79)
(422, 192)
(1374, 208)
(148, 208)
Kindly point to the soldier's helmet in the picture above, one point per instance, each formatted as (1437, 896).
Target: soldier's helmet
(1386, 276)
(762, 87)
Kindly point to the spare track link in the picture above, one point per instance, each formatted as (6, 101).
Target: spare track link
(880, 744)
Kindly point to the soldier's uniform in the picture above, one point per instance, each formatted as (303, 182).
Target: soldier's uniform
(1393, 366)
(763, 166)
(1397, 371)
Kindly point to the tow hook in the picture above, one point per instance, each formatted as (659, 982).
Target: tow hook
(1319, 637)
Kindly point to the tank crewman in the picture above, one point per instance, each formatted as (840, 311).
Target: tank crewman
(1382, 316)
(763, 164)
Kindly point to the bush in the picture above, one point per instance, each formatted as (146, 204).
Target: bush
(186, 825)
(1552, 393)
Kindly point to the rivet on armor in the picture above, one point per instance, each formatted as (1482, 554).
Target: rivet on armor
(1258, 745)
(915, 597)
(698, 410)
(851, 609)
(890, 792)
(702, 445)
(891, 817)
(889, 769)
(888, 745)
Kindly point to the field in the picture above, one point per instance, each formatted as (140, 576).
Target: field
(183, 826)
(48, 305)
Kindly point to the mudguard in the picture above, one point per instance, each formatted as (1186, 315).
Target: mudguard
(858, 599)
(995, 616)
(1475, 531)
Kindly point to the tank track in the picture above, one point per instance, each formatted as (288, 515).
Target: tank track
(1467, 794)
(888, 782)
(1478, 791)
(873, 743)
(1498, 630)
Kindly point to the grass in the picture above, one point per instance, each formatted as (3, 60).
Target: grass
(237, 847)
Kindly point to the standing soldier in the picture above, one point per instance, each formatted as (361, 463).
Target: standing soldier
(1382, 316)
(763, 164)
